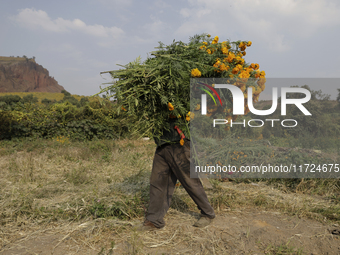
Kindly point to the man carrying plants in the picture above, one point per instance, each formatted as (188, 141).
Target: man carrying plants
(156, 93)
(171, 163)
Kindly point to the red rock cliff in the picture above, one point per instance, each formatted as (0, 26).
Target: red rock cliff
(25, 75)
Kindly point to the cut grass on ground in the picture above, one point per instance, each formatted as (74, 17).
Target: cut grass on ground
(46, 183)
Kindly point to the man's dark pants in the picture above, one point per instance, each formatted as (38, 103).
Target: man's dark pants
(172, 163)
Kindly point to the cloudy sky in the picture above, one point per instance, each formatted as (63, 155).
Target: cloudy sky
(76, 40)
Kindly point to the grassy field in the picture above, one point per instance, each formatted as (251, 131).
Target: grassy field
(89, 198)
(42, 95)
(9, 60)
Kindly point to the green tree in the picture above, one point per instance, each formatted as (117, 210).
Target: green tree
(29, 99)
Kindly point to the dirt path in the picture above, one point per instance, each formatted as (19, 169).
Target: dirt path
(242, 229)
(235, 232)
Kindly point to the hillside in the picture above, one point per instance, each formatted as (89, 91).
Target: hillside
(25, 75)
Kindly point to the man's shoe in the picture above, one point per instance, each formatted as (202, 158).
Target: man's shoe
(148, 226)
(203, 222)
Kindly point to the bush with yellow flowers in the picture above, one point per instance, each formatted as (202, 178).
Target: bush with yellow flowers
(158, 89)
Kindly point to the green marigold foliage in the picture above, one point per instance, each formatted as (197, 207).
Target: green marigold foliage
(148, 90)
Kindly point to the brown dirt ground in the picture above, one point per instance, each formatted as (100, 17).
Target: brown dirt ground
(246, 230)
(232, 232)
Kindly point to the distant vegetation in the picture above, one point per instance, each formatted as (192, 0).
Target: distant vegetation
(50, 115)
(12, 59)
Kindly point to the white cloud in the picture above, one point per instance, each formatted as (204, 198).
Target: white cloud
(38, 19)
(273, 23)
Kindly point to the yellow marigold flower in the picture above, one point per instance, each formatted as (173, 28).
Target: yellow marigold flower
(257, 91)
(261, 82)
(248, 69)
(217, 64)
(181, 142)
(244, 53)
(196, 73)
(225, 50)
(242, 46)
(171, 107)
(249, 43)
(230, 57)
(223, 67)
(202, 47)
(257, 66)
(262, 74)
(215, 40)
(235, 70)
(205, 43)
(188, 117)
(238, 59)
(244, 74)
(208, 51)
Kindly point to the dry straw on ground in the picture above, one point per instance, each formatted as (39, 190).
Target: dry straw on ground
(89, 198)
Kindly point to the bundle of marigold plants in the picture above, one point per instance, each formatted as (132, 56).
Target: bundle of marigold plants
(158, 89)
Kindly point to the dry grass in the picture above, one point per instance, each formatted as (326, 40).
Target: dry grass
(42, 95)
(6, 60)
(93, 195)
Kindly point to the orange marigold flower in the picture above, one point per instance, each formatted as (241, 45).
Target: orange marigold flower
(242, 46)
(196, 73)
(230, 57)
(171, 107)
(223, 67)
(249, 43)
(181, 142)
(235, 70)
(224, 50)
(257, 66)
(244, 74)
